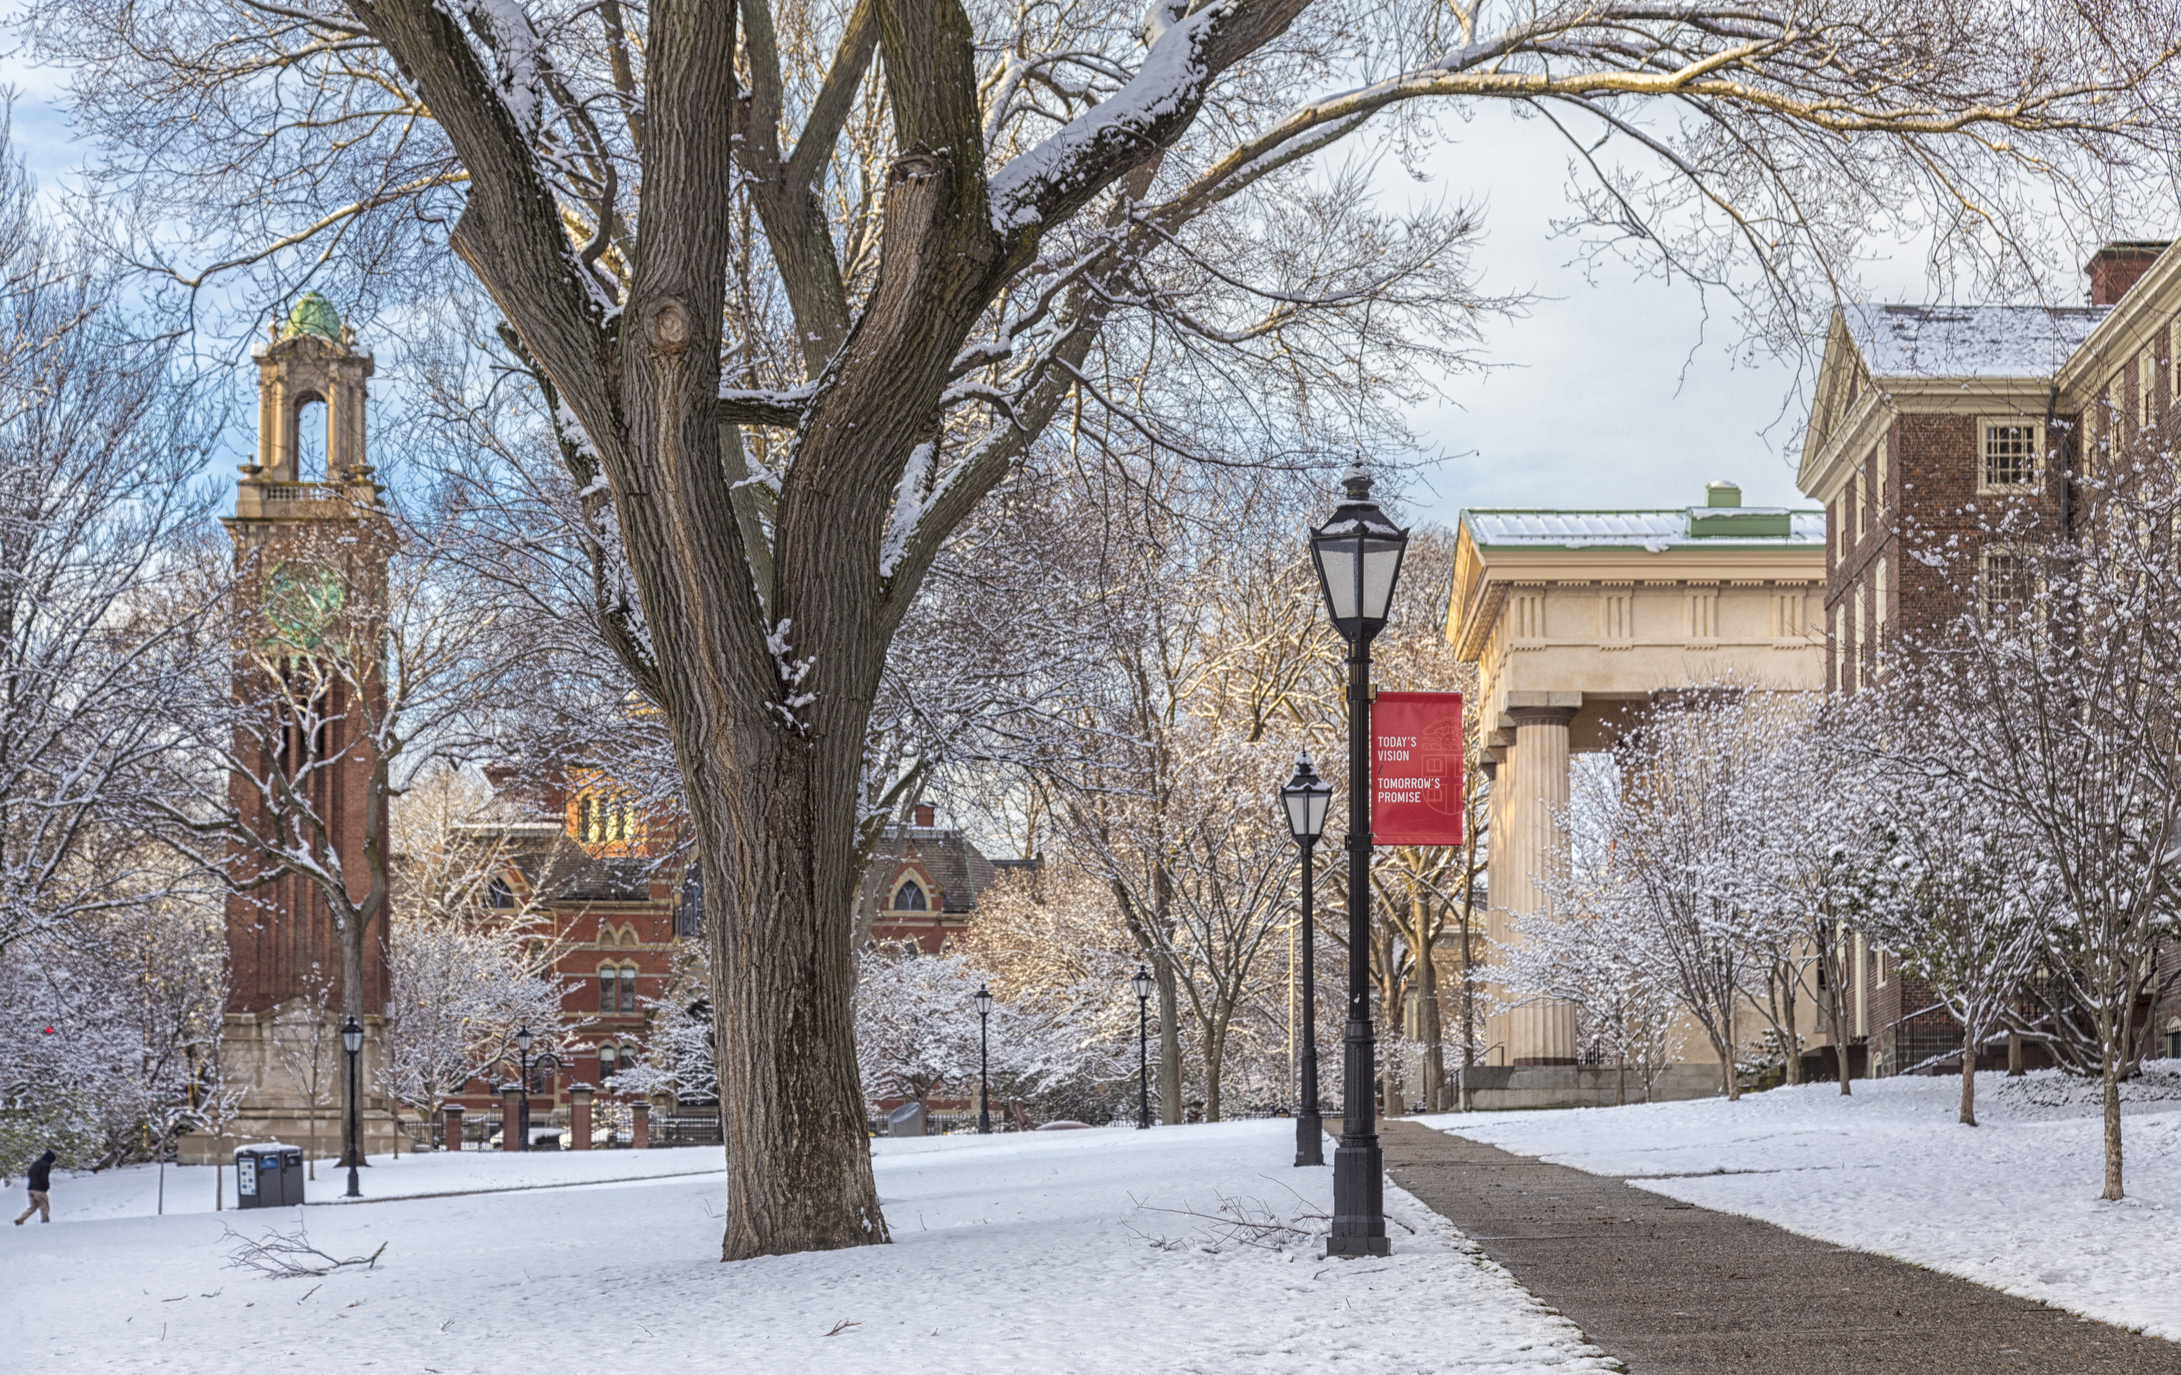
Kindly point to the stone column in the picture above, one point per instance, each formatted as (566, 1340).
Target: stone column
(511, 1117)
(640, 1126)
(1499, 877)
(1540, 1033)
(579, 1117)
(451, 1133)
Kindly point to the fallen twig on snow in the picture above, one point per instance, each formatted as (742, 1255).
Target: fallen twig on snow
(1247, 1221)
(281, 1255)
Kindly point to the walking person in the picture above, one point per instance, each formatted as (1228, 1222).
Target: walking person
(41, 1184)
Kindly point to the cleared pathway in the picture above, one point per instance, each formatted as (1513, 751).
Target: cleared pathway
(1671, 1288)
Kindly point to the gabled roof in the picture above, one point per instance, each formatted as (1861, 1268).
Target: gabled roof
(958, 867)
(1656, 531)
(1967, 341)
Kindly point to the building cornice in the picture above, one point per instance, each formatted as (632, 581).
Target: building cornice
(2142, 311)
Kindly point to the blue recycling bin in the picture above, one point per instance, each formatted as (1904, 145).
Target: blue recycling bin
(268, 1175)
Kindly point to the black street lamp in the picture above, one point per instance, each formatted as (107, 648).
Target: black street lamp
(523, 1038)
(983, 999)
(1141, 982)
(1305, 799)
(352, 1042)
(1358, 553)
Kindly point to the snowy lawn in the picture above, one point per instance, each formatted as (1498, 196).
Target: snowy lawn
(2012, 1203)
(1042, 1251)
(133, 1191)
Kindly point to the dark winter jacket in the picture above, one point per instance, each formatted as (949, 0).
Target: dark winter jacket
(41, 1173)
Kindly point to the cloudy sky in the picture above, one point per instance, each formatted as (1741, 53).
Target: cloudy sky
(1609, 392)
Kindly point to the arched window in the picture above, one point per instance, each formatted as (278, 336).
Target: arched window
(583, 817)
(689, 913)
(628, 988)
(608, 1064)
(909, 897)
(498, 894)
(310, 441)
(609, 979)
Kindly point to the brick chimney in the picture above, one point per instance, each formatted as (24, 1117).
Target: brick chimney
(925, 816)
(2117, 266)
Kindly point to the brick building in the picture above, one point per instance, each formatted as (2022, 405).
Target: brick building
(923, 884)
(618, 903)
(1932, 423)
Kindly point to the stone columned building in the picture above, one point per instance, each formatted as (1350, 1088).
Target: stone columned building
(1577, 621)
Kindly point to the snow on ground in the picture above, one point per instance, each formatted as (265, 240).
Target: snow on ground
(2012, 1203)
(1044, 1251)
(134, 1191)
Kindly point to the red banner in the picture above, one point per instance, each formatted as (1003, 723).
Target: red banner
(1416, 768)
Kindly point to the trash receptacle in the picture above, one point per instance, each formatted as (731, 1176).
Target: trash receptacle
(268, 1175)
(906, 1120)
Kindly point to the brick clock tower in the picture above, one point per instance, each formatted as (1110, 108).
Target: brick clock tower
(311, 540)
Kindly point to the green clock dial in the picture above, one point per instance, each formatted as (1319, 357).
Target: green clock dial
(301, 600)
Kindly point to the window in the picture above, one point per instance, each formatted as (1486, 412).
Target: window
(2006, 582)
(909, 897)
(499, 895)
(1878, 470)
(1878, 610)
(2173, 1045)
(2173, 359)
(2010, 455)
(689, 909)
(608, 1064)
(608, 979)
(583, 817)
(628, 988)
(2147, 389)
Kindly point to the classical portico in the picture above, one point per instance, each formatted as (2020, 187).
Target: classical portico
(1577, 621)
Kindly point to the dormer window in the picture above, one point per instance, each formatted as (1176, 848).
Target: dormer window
(909, 897)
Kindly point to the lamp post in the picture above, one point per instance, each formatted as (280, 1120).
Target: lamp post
(1141, 983)
(523, 1038)
(352, 1042)
(1305, 799)
(983, 998)
(1358, 554)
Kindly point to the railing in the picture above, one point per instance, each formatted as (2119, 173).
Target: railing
(303, 491)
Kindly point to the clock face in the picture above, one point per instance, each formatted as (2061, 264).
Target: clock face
(301, 599)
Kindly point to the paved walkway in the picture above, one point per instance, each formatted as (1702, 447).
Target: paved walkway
(1673, 1289)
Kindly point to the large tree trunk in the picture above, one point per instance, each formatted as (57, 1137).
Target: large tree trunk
(784, 859)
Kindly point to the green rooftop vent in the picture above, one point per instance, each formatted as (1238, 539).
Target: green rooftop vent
(1722, 494)
(312, 314)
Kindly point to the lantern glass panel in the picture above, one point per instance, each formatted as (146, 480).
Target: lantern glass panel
(983, 1001)
(1337, 568)
(523, 1038)
(1142, 983)
(1381, 566)
(1321, 799)
(352, 1037)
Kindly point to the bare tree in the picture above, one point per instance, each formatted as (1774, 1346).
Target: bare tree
(2051, 704)
(99, 459)
(1963, 900)
(372, 660)
(309, 1053)
(797, 330)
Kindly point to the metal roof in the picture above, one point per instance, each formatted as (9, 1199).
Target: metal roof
(1656, 531)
